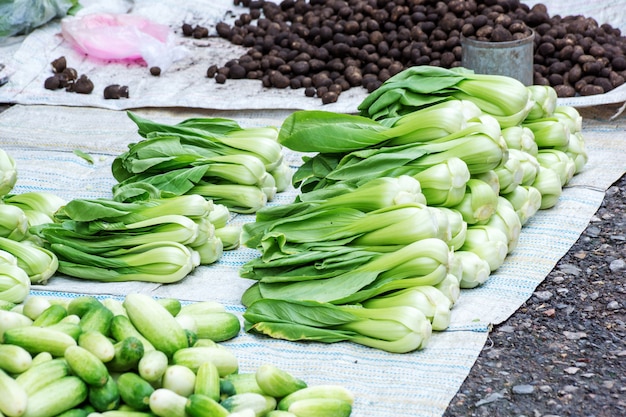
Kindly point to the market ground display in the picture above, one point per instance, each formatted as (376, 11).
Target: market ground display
(47, 160)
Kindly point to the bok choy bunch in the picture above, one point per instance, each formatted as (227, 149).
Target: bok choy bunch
(155, 240)
(8, 173)
(504, 98)
(14, 281)
(242, 168)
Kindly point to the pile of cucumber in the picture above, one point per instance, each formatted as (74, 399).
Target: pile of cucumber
(141, 357)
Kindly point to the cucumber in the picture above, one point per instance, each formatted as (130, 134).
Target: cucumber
(40, 339)
(86, 366)
(166, 403)
(128, 353)
(115, 306)
(58, 396)
(152, 365)
(97, 318)
(41, 357)
(135, 391)
(68, 327)
(201, 308)
(280, 413)
(39, 376)
(225, 361)
(52, 315)
(155, 323)
(126, 413)
(208, 381)
(172, 305)
(121, 328)
(321, 407)
(13, 398)
(199, 405)
(192, 337)
(277, 382)
(11, 320)
(261, 404)
(244, 382)
(75, 412)
(81, 304)
(34, 305)
(218, 326)
(14, 359)
(106, 397)
(98, 344)
(317, 391)
(180, 379)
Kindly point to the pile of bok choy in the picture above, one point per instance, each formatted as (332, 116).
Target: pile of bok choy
(421, 195)
(154, 240)
(23, 261)
(241, 168)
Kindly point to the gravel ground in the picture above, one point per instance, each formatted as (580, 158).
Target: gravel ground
(563, 352)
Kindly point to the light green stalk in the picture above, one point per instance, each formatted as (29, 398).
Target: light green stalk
(38, 263)
(8, 173)
(210, 251)
(488, 242)
(43, 202)
(444, 184)
(576, 150)
(520, 138)
(479, 202)
(549, 132)
(452, 227)
(510, 174)
(569, 116)
(528, 164)
(13, 222)
(558, 161)
(475, 270)
(230, 236)
(14, 283)
(506, 219)
(544, 98)
(238, 198)
(548, 183)
(526, 200)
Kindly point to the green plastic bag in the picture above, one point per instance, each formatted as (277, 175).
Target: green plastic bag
(19, 17)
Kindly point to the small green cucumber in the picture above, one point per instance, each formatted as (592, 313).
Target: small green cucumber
(39, 339)
(208, 381)
(39, 376)
(180, 379)
(13, 397)
(14, 359)
(261, 404)
(86, 366)
(121, 328)
(152, 365)
(81, 304)
(11, 320)
(34, 305)
(166, 403)
(98, 344)
(225, 361)
(321, 407)
(58, 396)
(337, 392)
(135, 391)
(201, 307)
(172, 305)
(277, 382)
(69, 328)
(128, 353)
(106, 397)
(52, 315)
(218, 326)
(115, 306)
(97, 318)
(155, 323)
(244, 382)
(41, 357)
(199, 405)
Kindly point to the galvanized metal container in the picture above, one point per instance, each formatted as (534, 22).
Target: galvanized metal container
(513, 58)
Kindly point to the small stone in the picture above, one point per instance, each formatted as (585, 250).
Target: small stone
(617, 265)
(608, 384)
(523, 389)
(571, 370)
(570, 269)
(506, 329)
(545, 388)
(570, 388)
(613, 305)
(543, 295)
(574, 335)
(494, 396)
(593, 231)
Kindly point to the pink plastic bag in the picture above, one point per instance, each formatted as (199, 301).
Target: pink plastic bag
(121, 37)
